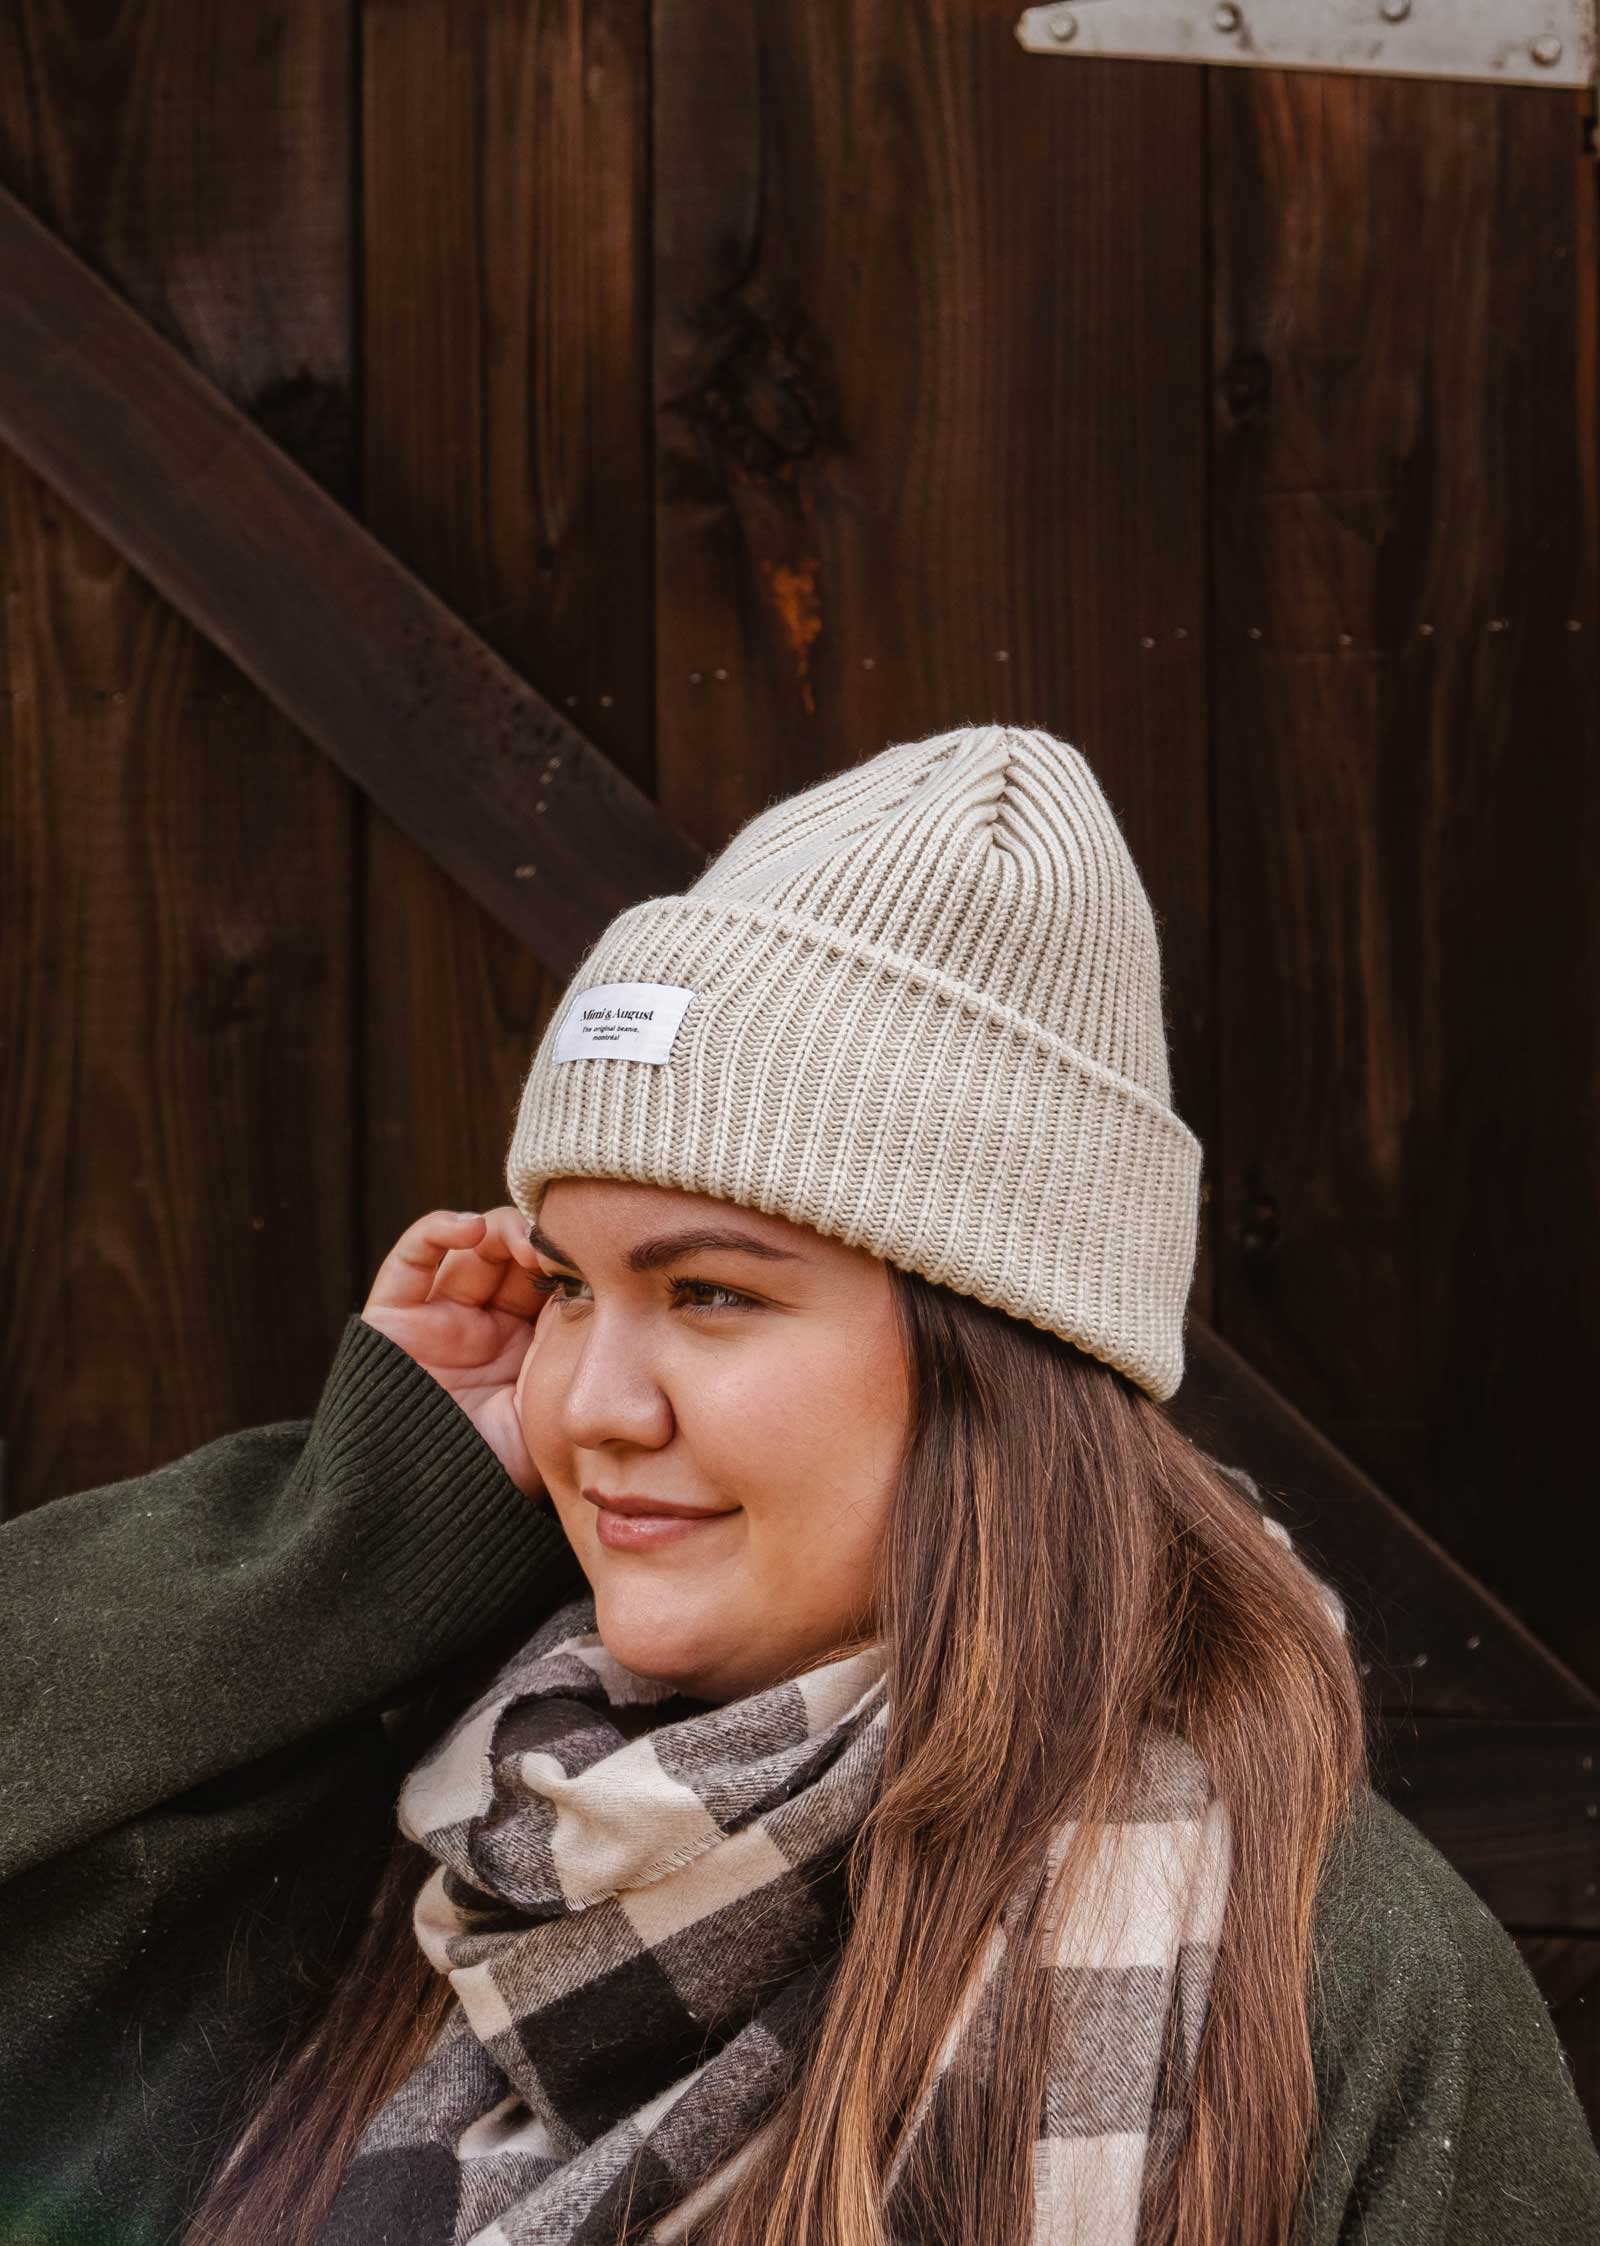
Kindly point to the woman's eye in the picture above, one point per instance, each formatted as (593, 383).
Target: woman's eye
(730, 1299)
(551, 1283)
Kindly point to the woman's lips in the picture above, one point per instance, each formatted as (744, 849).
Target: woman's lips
(641, 1532)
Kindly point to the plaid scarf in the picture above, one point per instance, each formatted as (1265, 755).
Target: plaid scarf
(641, 1925)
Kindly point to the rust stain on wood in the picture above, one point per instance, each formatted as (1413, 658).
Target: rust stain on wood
(798, 607)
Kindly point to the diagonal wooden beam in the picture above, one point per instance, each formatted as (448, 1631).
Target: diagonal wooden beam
(1438, 1642)
(1480, 1734)
(1511, 1804)
(460, 751)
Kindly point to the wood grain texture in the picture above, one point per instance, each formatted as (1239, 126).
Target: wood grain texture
(506, 448)
(1408, 796)
(1514, 1806)
(930, 351)
(419, 710)
(1430, 1637)
(176, 1081)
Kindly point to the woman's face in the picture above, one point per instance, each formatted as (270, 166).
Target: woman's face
(761, 1379)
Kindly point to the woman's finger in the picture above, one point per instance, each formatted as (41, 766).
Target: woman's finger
(517, 1290)
(496, 1270)
(408, 1271)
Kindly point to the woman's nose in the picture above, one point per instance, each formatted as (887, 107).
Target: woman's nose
(611, 1393)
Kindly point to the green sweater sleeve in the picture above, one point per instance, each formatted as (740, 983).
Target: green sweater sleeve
(196, 1782)
(164, 1630)
(1448, 2113)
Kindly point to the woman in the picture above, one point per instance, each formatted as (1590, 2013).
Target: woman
(952, 1825)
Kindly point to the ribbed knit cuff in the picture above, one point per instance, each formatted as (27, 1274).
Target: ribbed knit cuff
(452, 1546)
(880, 1102)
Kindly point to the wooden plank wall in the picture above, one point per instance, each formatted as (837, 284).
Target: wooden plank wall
(506, 452)
(931, 419)
(769, 385)
(1404, 531)
(1408, 795)
(181, 981)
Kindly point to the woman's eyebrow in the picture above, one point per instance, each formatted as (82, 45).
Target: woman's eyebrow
(667, 1247)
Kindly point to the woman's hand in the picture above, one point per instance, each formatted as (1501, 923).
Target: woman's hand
(455, 1292)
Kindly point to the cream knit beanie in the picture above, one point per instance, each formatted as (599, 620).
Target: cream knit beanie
(917, 1007)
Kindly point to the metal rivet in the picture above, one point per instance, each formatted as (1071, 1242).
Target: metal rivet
(1593, 1809)
(1227, 17)
(1573, 625)
(538, 807)
(1345, 640)
(1419, 1661)
(1546, 51)
(1002, 654)
(1062, 25)
(572, 701)
(1426, 630)
(869, 662)
(1182, 632)
(1586, 1762)
(719, 674)
(1474, 1642)
(605, 701)
(697, 678)
(1395, 11)
(522, 873)
(1497, 623)
(1255, 631)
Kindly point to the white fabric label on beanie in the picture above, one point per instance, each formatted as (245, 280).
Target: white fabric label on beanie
(623, 1022)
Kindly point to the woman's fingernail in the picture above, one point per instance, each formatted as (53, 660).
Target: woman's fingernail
(468, 1216)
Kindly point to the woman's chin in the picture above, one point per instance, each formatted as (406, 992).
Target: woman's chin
(658, 1635)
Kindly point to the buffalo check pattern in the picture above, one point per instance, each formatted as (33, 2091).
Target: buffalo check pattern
(639, 1926)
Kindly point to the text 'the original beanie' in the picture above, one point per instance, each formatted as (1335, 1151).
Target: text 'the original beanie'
(917, 1007)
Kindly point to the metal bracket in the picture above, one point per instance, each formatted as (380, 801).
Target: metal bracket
(1500, 42)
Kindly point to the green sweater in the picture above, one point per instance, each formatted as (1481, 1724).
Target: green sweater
(197, 1787)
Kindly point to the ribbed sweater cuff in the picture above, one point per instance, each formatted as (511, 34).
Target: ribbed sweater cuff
(449, 1546)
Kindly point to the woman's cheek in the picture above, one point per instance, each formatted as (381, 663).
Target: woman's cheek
(521, 1398)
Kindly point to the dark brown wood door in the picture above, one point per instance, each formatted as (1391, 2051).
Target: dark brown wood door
(761, 386)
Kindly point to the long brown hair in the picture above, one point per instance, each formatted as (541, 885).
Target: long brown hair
(1062, 1566)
